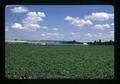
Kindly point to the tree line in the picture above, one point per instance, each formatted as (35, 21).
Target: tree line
(110, 42)
(99, 42)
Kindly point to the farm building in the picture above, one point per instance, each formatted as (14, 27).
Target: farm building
(42, 43)
(85, 44)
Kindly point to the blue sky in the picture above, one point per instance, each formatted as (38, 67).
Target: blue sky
(59, 22)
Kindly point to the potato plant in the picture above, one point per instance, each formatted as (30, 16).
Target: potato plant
(29, 61)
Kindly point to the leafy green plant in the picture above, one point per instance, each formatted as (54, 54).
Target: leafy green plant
(28, 61)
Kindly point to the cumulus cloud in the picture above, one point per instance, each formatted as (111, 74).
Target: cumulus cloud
(73, 33)
(100, 16)
(36, 15)
(68, 18)
(49, 34)
(41, 14)
(55, 29)
(19, 9)
(43, 34)
(17, 26)
(54, 34)
(89, 35)
(112, 24)
(94, 35)
(111, 33)
(103, 36)
(44, 27)
(31, 27)
(100, 34)
(33, 17)
(76, 21)
(31, 21)
(111, 15)
(101, 26)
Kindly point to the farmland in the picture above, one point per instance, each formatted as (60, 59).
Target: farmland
(29, 61)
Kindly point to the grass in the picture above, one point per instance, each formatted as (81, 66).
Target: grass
(28, 61)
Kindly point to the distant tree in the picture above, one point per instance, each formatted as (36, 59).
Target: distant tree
(91, 43)
(95, 42)
(15, 39)
(74, 41)
(99, 42)
(111, 42)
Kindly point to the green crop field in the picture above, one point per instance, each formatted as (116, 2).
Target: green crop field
(29, 61)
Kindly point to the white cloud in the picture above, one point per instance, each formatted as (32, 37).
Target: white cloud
(49, 34)
(31, 26)
(73, 33)
(77, 21)
(36, 15)
(55, 29)
(89, 35)
(111, 16)
(96, 36)
(31, 21)
(17, 26)
(43, 34)
(41, 14)
(100, 16)
(44, 27)
(19, 9)
(111, 33)
(68, 18)
(33, 17)
(112, 24)
(54, 34)
(100, 34)
(101, 26)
